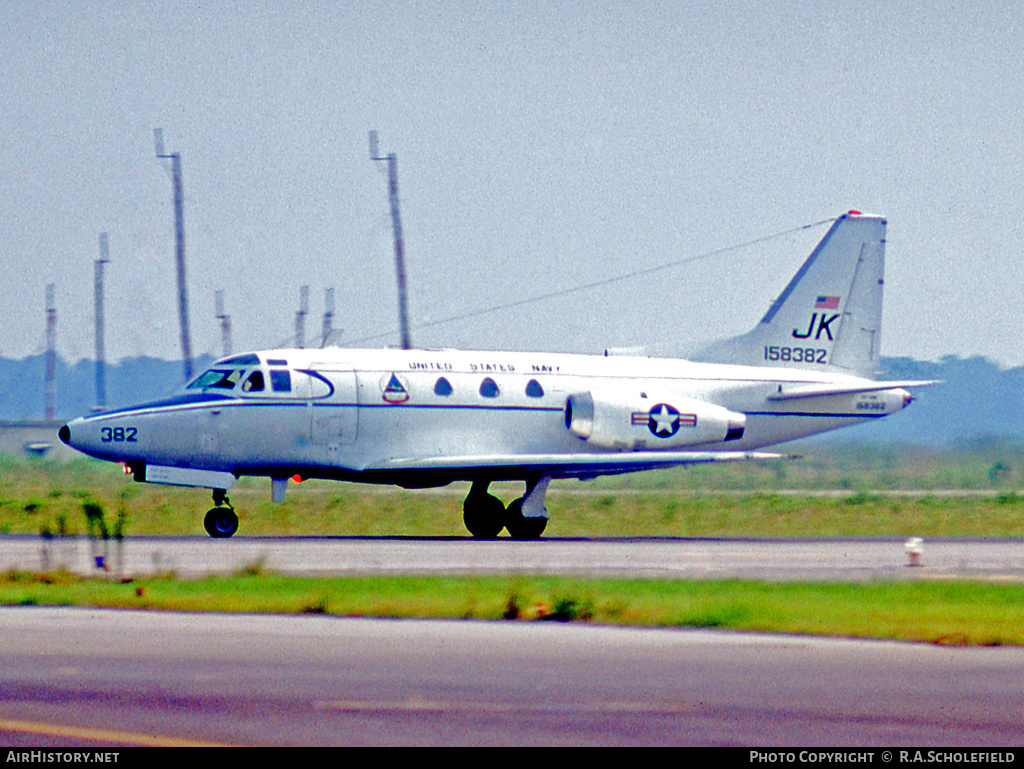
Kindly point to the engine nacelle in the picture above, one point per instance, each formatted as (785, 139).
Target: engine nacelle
(629, 421)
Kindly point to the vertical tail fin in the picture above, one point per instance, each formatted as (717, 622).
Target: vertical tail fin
(829, 317)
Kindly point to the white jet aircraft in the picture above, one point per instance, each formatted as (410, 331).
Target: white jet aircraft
(423, 418)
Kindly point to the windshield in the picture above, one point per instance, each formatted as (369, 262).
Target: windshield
(221, 378)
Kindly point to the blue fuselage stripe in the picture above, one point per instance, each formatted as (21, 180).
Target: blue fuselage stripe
(160, 408)
(171, 407)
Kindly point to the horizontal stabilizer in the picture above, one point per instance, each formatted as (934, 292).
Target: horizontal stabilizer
(822, 390)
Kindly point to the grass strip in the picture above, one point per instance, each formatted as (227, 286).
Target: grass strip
(324, 508)
(960, 613)
(781, 499)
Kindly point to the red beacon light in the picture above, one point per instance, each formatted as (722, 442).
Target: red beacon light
(298, 478)
(853, 213)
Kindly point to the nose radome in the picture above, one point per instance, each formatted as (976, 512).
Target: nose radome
(65, 435)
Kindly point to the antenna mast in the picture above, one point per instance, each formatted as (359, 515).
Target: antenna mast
(328, 316)
(51, 354)
(101, 362)
(396, 224)
(300, 317)
(225, 321)
(179, 232)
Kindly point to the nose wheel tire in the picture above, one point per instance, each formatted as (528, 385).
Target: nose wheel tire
(221, 522)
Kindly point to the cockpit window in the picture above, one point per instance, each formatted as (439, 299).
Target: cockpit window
(281, 380)
(254, 384)
(223, 379)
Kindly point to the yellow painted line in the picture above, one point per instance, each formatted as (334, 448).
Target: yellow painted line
(417, 705)
(103, 735)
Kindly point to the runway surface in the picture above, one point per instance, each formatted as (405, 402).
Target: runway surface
(101, 678)
(841, 560)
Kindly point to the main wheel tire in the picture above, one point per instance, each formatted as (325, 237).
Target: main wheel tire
(521, 527)
(484, 516)
(221, 522)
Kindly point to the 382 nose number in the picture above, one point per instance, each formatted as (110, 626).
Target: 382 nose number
(118, 434)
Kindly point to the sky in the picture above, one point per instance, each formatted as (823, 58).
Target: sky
(541, 146)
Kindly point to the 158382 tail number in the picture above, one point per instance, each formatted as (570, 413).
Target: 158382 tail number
(795, 354)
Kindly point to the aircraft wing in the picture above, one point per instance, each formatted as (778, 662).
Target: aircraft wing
(573, 465)
(821, 390)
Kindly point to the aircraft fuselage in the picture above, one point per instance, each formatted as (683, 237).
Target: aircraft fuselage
(377, 415)
(426, 418)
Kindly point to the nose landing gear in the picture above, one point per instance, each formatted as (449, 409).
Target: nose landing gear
(221, 521)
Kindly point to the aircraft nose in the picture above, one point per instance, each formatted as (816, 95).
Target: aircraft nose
(65, 435)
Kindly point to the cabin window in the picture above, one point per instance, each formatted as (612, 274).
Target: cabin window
(254, 384)
(224, 379)
(442, 387)
(281, 381)
(277, 362)
(489, 388)
(534, 390)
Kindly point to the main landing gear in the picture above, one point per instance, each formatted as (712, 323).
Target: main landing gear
(525, 518)
(484, 514)
(221, 521)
